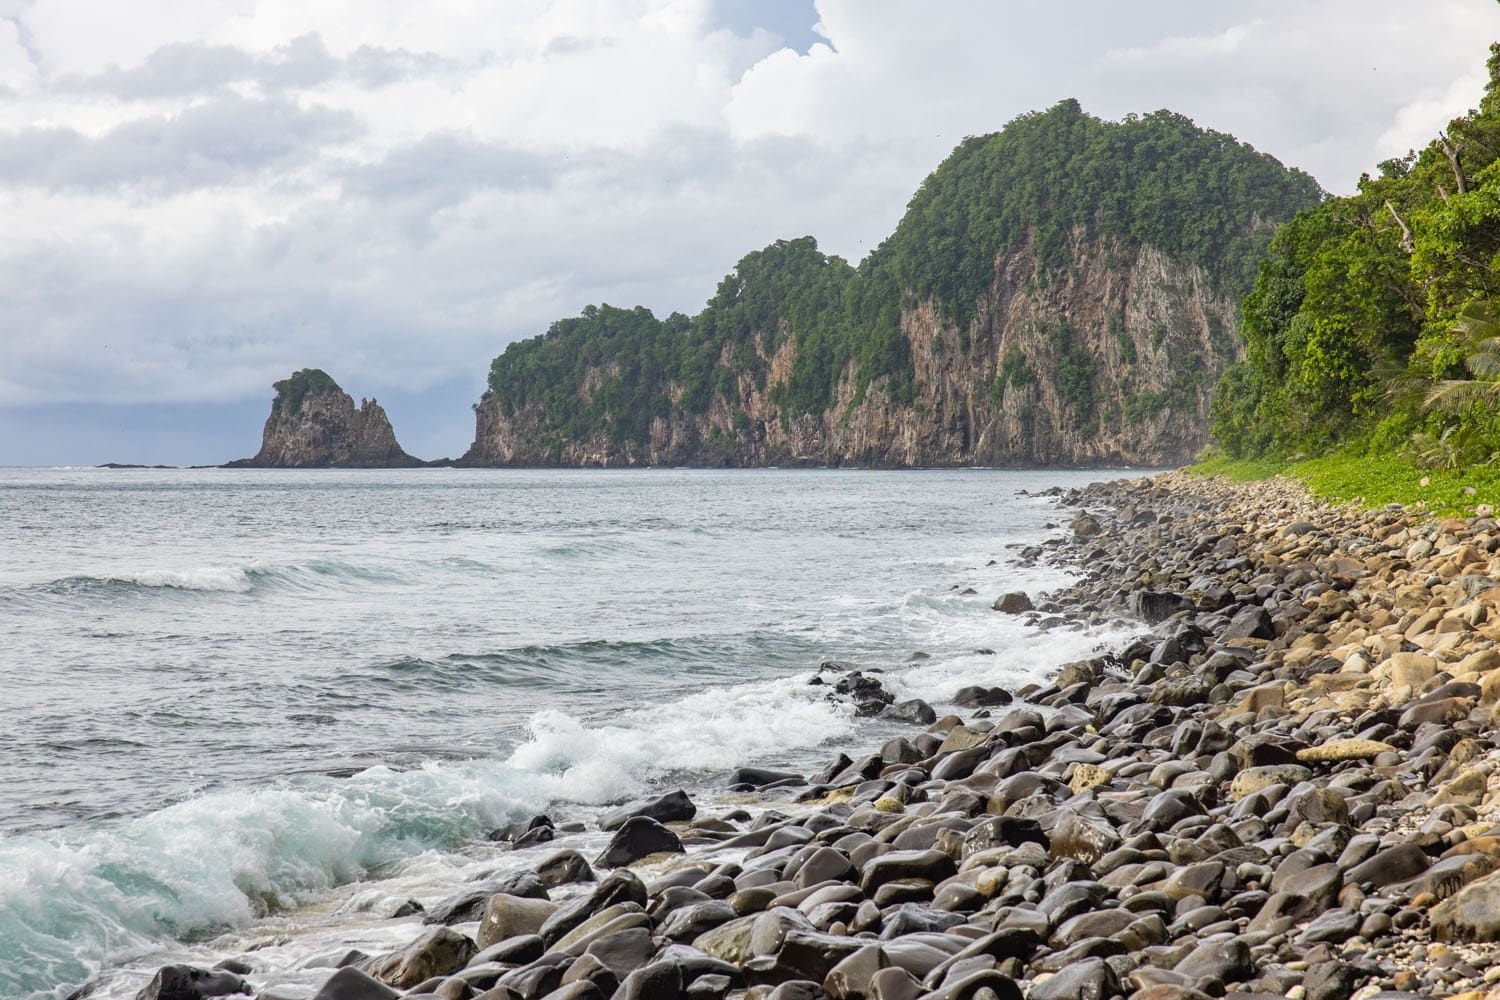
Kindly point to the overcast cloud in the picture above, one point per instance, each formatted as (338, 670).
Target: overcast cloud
(199, 196)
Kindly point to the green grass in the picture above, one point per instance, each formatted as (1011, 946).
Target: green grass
(1239, 470)
(1372, 482)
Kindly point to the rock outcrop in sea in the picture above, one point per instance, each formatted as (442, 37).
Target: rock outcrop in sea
(315, 425)
(1286, 788)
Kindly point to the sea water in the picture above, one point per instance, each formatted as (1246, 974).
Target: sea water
(234, 702)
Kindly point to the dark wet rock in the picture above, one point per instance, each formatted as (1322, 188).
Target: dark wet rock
(729, 942)
(1085, 525)
(1330, 981)
(797, 989)
(618, 887)
(1099, 923)
(469, 903)
(186, 982)
(932, 866)
(1397, 863)
(514, 833)
(813, 954)
(1471, 914)
(439, 952)
(1082, 837)
(535, 980)
(759, 777)
(710, 987)
(354, 984)
(506, 916)
(512, 951)
(850, 978)
(638, 837)
(1180, 691)
(823, 865)
(695, 963)
(979, 696)
(974, 985)
(564, 868)
(1154, 606)
(1334, 927)
(689, 922)
(1216, 962)
(624, 952)
(894, 984)
(913, 710)
(1318, 806)
(1091, 979)
(1014, 603)
(1169, 807)
(868, 694)
(578, 990)
(669, 808)
(1249, 623)
(912, 918)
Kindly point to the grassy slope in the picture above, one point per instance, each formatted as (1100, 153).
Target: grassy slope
(1372, 481)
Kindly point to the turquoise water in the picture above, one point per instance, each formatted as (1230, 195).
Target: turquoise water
(228, 693)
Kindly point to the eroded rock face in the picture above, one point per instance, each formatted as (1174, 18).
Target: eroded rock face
(1113, 362)
(315, 425)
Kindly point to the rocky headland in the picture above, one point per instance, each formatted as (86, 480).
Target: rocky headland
(314, 424)
(1120, 321)
(1062, 292)
(1285, 788)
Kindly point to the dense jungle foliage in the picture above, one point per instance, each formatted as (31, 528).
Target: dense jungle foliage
(1372, 323)
(1044, 180)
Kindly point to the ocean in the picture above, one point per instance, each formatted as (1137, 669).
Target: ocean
(241, 711)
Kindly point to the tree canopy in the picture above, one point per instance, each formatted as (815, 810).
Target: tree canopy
(292, 390)
(1359, 309)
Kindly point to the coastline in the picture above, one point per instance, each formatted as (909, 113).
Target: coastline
(1278, 791)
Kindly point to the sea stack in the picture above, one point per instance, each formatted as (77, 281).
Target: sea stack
(314, 425)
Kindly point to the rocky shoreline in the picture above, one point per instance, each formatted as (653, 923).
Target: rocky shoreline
(1282, 790)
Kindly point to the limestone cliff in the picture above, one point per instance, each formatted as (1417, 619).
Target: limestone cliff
(1110, 363)
(315, 425)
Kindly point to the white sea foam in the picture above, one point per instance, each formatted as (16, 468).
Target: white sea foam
(226, 579)
(222, 859)
(711, 730)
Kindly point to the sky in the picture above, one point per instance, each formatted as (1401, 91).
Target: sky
(198, 197)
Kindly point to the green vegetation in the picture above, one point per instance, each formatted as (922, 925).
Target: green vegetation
(1155, 179)
(1014, 369)
(1346, 477)
(1047, 178)
(291, 391)
(1371, 328)
(1075, 371)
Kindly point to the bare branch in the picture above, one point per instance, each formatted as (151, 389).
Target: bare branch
(1407, 243)
(1452, 150)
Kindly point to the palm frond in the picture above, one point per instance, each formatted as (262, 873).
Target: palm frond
(1477, 321)
(1484, 364)
(1455, 395)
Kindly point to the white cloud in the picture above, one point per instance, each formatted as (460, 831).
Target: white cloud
(200, 195)
(16, 68)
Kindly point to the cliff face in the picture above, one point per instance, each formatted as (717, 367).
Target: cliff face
(1108, 360)
(315, 425)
